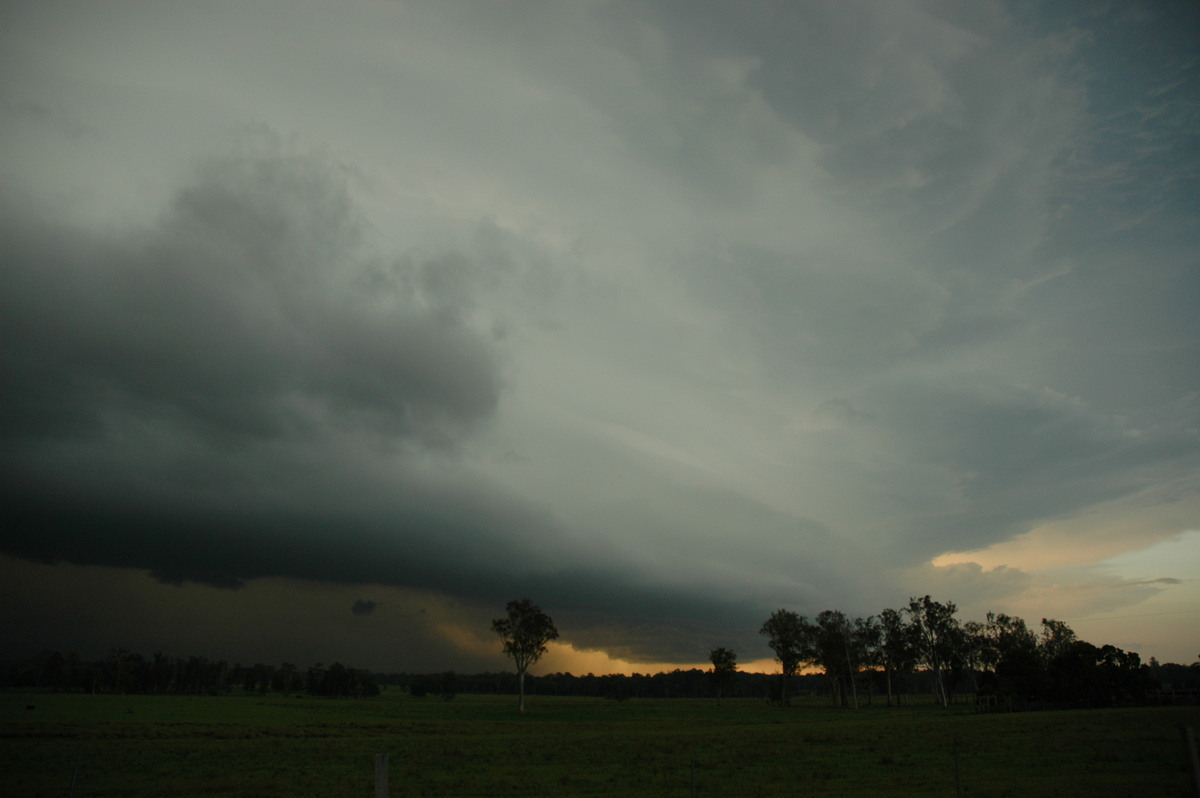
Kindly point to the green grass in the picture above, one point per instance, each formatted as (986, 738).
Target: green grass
(480, 746)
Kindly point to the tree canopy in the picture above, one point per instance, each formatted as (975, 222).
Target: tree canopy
(790, 636)
(724, 662)
(525, 630)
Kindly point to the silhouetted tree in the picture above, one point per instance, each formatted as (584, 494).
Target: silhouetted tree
(831, 644)
(724, 662)
(1057, 637)
(337, 681)
(1009, 658)
(790, 636)
(842, 647)
(897, 647)
(865, 639)
(525, 631)
(936, 633)
(287, 679)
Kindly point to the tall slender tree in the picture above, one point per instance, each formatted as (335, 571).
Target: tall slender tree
(936, 632)
(832, 652)
(896, 649)
(525, 631)
(842, 646)
(865, 640)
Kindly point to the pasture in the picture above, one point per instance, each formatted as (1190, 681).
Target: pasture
(134, 745)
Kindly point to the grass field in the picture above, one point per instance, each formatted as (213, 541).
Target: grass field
(479, 746)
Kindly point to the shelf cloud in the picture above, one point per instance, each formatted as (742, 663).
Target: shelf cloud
(663, 317)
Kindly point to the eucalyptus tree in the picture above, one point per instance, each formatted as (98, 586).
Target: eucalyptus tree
(1056, 638)
(866, 639)
(790, 636)
(525, 631)
(830, 642)
(897, 647)
(968, 654)
(1005, 637)
(1010, 658)
(843, 646)
(937, 635)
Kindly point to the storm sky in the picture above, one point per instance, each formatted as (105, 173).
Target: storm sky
(328, 328)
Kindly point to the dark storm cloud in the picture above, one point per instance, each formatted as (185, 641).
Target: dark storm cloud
(250, 511)
(243, 314)
(706, 563)
(180, 398)
(239, 393)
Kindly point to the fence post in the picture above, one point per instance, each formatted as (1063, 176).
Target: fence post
(381, 776)
(1189, 739)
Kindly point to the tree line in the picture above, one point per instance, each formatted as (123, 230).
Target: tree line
(919, 648)
(124, 671)
(677, 683)
(1000, 661)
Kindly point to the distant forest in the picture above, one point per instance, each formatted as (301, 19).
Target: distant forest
(129, 672)
(124, 671)
(921, 650)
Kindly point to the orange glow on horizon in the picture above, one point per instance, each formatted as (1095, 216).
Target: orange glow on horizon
(565, 658)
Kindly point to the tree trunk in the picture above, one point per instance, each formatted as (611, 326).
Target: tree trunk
(850, 673)
(940, 686)
(521, 690)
